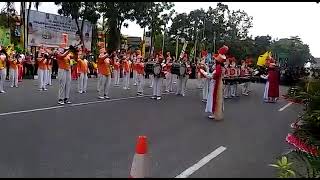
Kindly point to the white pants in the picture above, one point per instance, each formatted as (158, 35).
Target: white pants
(151, 80)
(157, 84)
(201, 82)
(105, 82)
(42, 78)
(82, 82)
(245, 88)
(3, 75)
(116, 77)
(98, 82)
(13, 75)
(49, 73)
(140, 82)
(182, 83)
(134, 74)
(205, 89)
(174, 78)
(126, 80)
(169, 81)
(227, 91)
(64, 79)
(233, 89)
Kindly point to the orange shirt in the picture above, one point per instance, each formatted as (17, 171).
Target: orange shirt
(140, 68)
(42, 64)
(116, 66)
(126, 66)
(2, 64)
(104, 67)
(13, 64)
(82, 66)
(63, 62)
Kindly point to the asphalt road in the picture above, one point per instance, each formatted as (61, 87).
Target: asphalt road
(97, 139)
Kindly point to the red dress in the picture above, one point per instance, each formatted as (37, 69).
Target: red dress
(273, 79)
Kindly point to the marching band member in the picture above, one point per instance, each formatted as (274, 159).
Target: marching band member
(21, 59)
(245, 73)
(168, 74)
(98, 76)
(126, 71)
(42, 71)
(216, 102)
(13, 71)
(233, 73)
(116, 70)
(182, 81)
(64, 76)
(157, 85)
(271, 91)
(105, 74)
(174, 76)
(151, 76)
(3, 70)
(140, 75)
(133, 66)
(200, 77)
(49, 70)
(206, 83)
(210, 78)
(83, 70)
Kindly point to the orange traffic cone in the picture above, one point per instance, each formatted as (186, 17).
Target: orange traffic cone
(140, 163)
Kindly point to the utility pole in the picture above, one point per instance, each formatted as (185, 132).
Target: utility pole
(177, 47)
(214, 41)
(195, 47)
(164, 33)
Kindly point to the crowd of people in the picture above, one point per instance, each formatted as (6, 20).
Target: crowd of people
(219, 79)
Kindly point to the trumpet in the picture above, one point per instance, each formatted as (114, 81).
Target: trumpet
(74, 49)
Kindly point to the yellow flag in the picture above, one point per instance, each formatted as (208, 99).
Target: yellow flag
(262, 58)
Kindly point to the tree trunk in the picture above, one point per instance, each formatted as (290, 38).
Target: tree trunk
(113, 35)
(27, 24)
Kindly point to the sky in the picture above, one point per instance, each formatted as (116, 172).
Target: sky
(277, 19)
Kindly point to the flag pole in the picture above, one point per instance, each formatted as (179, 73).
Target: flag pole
(177, 47)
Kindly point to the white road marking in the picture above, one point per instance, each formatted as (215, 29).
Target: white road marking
(72, 105)
(201, 163)
(284, 107)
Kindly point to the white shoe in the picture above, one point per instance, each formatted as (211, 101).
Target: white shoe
(158, 98)
(61, 102)
(182, 95)
(211, 117)
(2, 92)
(101, 97)
(153, 97)
(106, 97)
(40, 89)
(135, 84)
(11, 86)
(124, 88)
(167, 91)
(45, 89)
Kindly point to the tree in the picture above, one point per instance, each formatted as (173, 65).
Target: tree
(116, 14)
(154, 18)
(298, 52)
(79, 10)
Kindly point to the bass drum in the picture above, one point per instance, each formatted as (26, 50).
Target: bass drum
(149, 68)
(157, 69)
(183, 70)
(175, 68)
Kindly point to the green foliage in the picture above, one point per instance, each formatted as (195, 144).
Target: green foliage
(284, 168)
(79, 10)
(304, 166)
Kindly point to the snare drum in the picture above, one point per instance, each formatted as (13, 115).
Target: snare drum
(149, 67)
(175, 68)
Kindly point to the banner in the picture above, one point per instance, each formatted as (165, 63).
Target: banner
(4, 36)
(48, 29)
